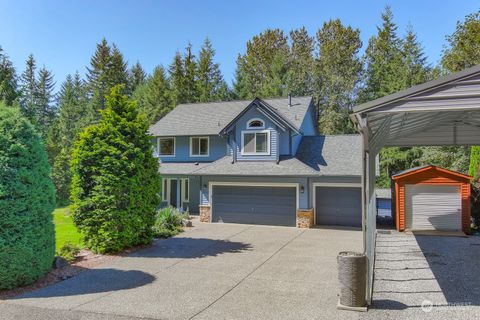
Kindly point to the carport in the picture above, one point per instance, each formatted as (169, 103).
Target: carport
(442, 112)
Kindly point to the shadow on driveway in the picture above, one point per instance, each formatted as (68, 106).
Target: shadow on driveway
(455, 263)
(94, 281)
(191, 248)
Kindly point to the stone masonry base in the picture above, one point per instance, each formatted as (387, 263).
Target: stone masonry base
(305, 218)
(205, 213)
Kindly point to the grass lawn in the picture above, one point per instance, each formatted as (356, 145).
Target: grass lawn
(65, 229)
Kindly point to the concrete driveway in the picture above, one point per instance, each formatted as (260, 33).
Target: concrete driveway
(213, 271)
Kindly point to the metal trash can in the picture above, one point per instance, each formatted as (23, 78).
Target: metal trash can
(352, 275)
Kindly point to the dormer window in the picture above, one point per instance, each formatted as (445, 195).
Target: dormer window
(256, 124)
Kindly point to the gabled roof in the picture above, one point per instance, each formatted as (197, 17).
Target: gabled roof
(267, 110)
(211, 118)
(427, 86)
(317, 156)
(416, 170)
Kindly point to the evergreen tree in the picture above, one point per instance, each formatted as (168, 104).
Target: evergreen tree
(385, 72)
(8, 80)
(301, 63)
(210, 83)
(190, 80)
(107, 69)
(45, 109)
(417, 69)
(27, 200)
(337, 74)
(154, 97)
(176, 73)
(136, 76)
(463, 49)
(262, 70)
(115, 183)
(71, 102)
(29, 88)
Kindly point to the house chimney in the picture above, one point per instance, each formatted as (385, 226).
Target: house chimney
(289, 99)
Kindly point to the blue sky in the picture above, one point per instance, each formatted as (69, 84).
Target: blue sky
(62, 34)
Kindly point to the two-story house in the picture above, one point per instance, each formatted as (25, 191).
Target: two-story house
(258, 162)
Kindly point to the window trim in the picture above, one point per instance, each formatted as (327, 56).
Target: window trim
(166, 191)
(208, 146)
(174, 146)
(185, 191)
(255, 119)
(255, 153)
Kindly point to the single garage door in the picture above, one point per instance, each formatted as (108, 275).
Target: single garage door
(338, 206)
(254, 205)
(433, 207)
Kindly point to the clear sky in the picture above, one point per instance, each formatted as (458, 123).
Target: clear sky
(62, 34)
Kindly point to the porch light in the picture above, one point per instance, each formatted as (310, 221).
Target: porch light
(302, 189)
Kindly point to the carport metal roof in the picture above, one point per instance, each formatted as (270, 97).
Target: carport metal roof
(441, 112)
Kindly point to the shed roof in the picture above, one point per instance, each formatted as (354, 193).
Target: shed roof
(416, 170)
(211, 118)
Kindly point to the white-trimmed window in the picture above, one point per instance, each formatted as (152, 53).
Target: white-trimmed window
(256, 123)
(166, 147)
(185, 189)
(199, 146)
(256, 142)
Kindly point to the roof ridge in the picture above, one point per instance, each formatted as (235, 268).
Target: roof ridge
(243, 100)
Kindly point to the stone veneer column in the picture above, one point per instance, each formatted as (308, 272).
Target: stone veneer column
(205, 213)
(305, 218)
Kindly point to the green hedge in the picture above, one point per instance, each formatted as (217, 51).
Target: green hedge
(115, 181)
(27, 199)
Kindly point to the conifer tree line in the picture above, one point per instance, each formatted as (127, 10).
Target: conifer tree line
(332, 65)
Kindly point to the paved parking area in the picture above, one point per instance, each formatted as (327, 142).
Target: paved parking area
(426, 277)
(213, 271)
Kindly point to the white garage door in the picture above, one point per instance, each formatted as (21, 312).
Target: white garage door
(429, 207)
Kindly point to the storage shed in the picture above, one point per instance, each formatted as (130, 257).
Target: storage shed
(432, 198)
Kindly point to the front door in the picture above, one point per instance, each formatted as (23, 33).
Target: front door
(173, 193)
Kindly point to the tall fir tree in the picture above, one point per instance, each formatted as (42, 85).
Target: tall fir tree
(190, 80)
(262, 70)
(385, 72)
(45, 109)
(210, 83)
(154, 98)
(29, 88)
(136, 76)
(8, 80)
(337, 74)
(176, 72)
(71, 102)
(301, 62)
(417, 69)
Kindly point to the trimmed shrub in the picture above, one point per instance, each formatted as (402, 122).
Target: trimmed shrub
(27, 199)
(115, 180)
(69, 251)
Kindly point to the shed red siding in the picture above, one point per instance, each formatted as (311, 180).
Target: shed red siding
(432, 175)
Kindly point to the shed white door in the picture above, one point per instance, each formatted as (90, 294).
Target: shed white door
(431, 207)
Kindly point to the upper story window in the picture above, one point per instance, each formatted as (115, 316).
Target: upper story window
(256, 124)
(256, 142)
(166, 147)
(199, 146)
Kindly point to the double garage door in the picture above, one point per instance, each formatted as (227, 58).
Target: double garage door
(433, 207)
(254, 205)
(275, 205)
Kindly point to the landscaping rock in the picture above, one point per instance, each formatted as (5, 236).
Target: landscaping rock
(59, 262)
(186, 223)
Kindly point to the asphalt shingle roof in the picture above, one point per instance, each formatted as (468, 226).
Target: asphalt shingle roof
(317, 156)
(210, 118)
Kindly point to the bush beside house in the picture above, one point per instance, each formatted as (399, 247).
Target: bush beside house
(115, 184)
(27, 199)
